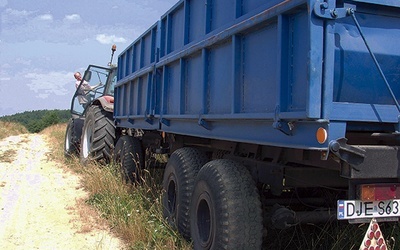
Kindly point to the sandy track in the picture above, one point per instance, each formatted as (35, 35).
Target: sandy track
(38, 201)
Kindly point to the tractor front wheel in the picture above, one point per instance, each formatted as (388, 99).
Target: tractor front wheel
(73, 137)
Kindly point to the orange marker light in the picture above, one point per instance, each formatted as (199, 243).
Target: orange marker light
(322, 135)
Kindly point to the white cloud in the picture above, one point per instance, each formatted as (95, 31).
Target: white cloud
(75, 18)
(52, 83)
(106, 39)
(14, 18)
(42, 95)
(23, 61)
(4, 75)
(17, 13)
(46, 17)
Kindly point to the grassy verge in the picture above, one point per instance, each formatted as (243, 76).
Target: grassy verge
(11, 128)
(134, 213)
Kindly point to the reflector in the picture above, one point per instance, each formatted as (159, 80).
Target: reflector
(373, 239)
(321, 135)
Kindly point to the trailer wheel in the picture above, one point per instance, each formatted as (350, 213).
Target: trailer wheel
(72, 137)
(129, 155)
(225, 208)
(98, 136)
(178, 182)
(219, 154)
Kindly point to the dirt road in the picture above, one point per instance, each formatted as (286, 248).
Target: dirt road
(40, 203)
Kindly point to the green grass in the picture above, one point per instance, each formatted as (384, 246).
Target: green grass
(133, 211)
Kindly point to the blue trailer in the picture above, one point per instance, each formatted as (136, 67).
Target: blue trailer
(265, 108)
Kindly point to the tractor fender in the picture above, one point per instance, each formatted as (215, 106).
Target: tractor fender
(107, 102)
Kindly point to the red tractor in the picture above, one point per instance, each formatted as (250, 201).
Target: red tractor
(91, 131)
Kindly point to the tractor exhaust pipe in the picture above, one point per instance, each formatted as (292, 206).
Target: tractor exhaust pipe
(113, 49)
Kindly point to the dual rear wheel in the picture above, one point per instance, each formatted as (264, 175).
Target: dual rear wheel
(216, 203)
(178, 183)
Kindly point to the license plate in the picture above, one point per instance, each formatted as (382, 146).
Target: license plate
(355, 209)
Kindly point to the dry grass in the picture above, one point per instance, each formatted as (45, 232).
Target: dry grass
(8, 155)
(11, 128)
(134, 213)
(88, 217)
(55, 138)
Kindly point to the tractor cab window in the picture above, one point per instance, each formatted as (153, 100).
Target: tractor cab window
(94, 84)
(110, 87)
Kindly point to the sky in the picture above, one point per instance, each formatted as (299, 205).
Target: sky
(43, 42)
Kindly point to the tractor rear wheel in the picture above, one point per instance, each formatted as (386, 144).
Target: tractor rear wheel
(98, 136)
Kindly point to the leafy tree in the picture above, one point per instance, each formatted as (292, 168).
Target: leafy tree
(50, 118)
(34, 126)
(36, 121)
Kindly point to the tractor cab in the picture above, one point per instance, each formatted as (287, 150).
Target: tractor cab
(93, 99)
(97, 85)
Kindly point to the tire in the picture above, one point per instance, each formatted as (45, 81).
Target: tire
(225, 208)
(98, 136)
(219, 154)
(178, 182)
(72, 137)
(129, 156)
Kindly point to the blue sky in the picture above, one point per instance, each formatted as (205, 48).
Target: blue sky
(43, 42)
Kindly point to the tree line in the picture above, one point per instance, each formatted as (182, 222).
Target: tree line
(37, 120)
